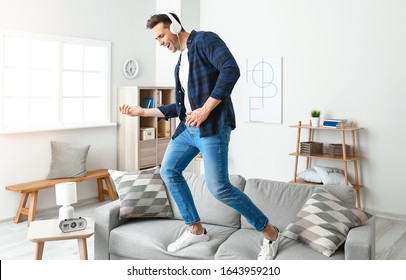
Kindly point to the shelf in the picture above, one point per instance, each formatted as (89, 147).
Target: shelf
(135, 151)
(307, 126)
(327, 156)
(301, 182)
(148, 140)
(343, 158)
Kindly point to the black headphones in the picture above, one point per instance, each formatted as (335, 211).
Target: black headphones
(175, 26)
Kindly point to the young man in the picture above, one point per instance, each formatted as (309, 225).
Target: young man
(205, 76)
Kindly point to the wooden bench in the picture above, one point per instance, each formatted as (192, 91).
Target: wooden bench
(31, 189)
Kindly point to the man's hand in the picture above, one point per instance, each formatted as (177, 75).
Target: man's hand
(131, 110)
(197, 117)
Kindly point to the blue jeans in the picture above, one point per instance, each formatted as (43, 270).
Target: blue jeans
(214, 149)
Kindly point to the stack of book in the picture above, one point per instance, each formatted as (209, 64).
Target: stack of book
(335, 123)
(311, 148)
(336, 150)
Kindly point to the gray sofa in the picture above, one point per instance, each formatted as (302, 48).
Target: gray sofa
(231, 237)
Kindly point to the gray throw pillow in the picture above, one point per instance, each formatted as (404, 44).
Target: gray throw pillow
(324, 222)
(142, 194)
(68, 160)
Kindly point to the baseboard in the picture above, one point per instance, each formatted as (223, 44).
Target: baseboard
(55, 209)
(391, 216)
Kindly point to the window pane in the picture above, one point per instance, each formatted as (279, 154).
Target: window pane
(50, 80)
(72, 110)
(43, 111)
(94, 84)
(16, 112)
(16, 82)
(94, 109)
(16, 52)
(72, 83)
(43, 83)
(44, 54)
(95, 58)
(72, 57)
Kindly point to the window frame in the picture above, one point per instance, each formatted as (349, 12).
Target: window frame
(60, 40)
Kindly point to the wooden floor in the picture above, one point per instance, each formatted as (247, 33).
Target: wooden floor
(390, 239)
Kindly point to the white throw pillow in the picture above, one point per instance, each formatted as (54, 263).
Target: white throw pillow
(330, 175)
(309, 175)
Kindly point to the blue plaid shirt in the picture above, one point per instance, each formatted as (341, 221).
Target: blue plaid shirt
(213, 72)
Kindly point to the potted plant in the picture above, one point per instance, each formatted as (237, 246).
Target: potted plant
(315, 120)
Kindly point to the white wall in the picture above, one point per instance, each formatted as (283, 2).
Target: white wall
(344, 57)
(25, 157)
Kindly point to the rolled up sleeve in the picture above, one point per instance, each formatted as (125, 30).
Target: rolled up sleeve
(169, 110)
(221, 58)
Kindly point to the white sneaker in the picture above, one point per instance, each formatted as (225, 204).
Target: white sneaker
(270, 248)
(187, 239)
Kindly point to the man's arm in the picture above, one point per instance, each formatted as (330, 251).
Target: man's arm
(134, 110)
(220, 56)
(198, 116)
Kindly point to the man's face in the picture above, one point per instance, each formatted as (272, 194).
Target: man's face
(165, 37)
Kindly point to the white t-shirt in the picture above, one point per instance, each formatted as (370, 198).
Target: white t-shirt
(184, 77)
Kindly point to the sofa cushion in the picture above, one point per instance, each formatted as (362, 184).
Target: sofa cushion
(148, 239)
(210, 210)
(275, 199)
(142, 193)
(234, 249)
(324, 221)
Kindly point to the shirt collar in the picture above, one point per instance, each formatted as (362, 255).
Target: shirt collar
(191, 37)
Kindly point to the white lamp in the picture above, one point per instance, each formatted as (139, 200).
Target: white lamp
(65, 196)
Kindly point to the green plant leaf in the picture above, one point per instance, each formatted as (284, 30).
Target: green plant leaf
(315, 113)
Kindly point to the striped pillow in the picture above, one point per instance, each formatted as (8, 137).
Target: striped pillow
(324, 221)
(142, 194)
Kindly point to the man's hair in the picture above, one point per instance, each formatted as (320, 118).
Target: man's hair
(158, 18)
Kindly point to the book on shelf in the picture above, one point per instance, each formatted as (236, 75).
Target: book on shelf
(336, 123)
(159, 94)
(148, 103)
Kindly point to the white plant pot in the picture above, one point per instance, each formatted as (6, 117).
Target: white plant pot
(315, 122)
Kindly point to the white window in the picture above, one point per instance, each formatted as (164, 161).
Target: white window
(52, 82)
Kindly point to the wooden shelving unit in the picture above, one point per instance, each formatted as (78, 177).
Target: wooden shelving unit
(354, 158)
(134, 152)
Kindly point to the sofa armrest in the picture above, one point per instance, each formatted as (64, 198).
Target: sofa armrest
(106, 218)
(360, 243)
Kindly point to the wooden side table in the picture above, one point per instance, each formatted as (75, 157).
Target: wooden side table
(48, 230)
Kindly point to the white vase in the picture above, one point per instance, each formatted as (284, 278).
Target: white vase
(315, 122)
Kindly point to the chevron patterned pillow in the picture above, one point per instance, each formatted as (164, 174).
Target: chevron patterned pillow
(142, 194)
(324, 222)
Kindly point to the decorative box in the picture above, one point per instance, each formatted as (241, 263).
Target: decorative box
(336, 150)
(311, 148)
(147, 133)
